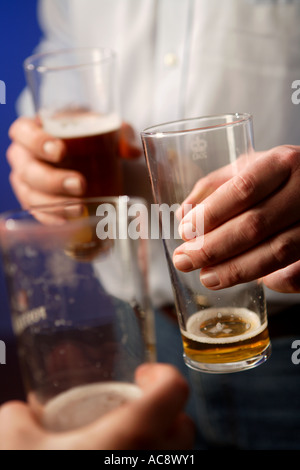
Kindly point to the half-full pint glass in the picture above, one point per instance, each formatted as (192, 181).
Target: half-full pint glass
(224, 330)
(80, 310)
(75, 93)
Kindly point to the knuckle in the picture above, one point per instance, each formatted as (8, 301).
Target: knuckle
(285, 249)
(23, 171)
(18, 126)
(206, 255)
(10, 154)
(34, 174)
(29, 133)
(13, 129)
(288, 155)
(243, 187)
(20, 189)
(254, 226)
(210, 218)
(14, 181)
(234, 274)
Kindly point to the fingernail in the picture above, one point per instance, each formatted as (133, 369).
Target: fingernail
(52, 149)
(73, 186)
(187, 231)
(210, 279)
(183, 262)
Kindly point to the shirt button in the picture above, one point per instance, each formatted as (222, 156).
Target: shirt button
(170, 59)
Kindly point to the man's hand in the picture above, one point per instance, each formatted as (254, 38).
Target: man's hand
(155, 421)
(31, 156)
(251, 224)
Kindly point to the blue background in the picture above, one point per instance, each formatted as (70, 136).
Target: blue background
(19, 34)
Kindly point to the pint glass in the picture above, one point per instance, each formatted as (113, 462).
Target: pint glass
(77, 287)
(224, 330)
(75, 93)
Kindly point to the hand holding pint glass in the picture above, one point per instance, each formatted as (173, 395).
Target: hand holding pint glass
(75, 93)
(79, 305)
(223, 330)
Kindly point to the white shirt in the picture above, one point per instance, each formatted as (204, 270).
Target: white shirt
(187, 58)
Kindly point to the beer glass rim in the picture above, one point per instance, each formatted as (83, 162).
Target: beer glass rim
(19, 219)
(33, 62)
(168, 128)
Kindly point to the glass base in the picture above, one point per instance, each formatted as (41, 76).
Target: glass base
(229, 367)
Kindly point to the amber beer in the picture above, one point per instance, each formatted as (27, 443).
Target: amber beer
(92, 142)
(224, 335)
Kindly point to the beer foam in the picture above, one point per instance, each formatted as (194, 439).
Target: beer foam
(194, 333)
(82, 405)
(73, 125)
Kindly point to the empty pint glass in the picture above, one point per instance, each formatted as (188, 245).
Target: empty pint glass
(224, 330)
(77, 285)
(75, 94)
